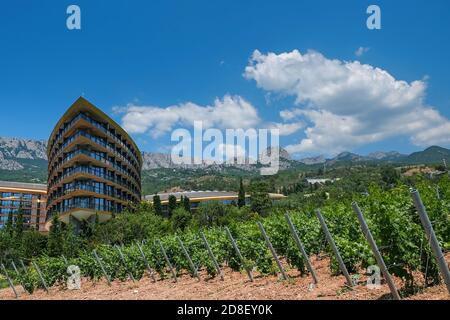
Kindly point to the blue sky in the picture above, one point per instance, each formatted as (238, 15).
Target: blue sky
(151, 55)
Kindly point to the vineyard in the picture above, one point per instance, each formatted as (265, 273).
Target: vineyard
(391, 217)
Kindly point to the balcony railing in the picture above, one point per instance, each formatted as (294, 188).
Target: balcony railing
(83, 205)
(84, 187)
(98, 141)
(93, 172)
(96, 157)
(98, 125)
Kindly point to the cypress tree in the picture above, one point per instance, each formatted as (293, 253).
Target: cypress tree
(241, 195)
(172, 204)
(19, 226)
(96, 222)
(55, 243)
(9, 224)
(157, 205)
(260, 201)
(187, 204)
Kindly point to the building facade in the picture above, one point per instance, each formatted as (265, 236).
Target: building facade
(94, 166)
(29, 197)
(196, 198)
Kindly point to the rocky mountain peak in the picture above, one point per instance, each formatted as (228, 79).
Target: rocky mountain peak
(14, 149)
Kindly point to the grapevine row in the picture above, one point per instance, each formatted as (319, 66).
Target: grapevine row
(391, 217)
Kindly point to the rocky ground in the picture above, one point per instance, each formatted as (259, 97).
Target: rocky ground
(235, 286)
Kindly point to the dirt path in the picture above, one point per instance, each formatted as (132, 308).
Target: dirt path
(235, 286)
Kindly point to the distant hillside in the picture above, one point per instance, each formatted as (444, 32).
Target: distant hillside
(387, 156)
(153, 160)
(313, 160)
(433, 154)
(25, 160)
(14, 151)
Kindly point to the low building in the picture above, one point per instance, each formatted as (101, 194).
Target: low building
(31, 198)
(198, 197)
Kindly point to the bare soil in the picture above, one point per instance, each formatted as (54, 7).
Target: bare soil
(236, 286)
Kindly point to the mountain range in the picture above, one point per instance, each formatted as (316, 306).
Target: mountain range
(14, 151)
(25, 159)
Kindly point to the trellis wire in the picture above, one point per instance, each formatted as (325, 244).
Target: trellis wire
(395, 265)
(188, 257)
(380, 261)
(11, 284)
(239, 254)
(124, 262)
(301, 248)
(108, 279)
(18, 274)
(272, 250)
(150, 270)
(211, 255)
(322, 245)
(334, 248)
(439, 221)
(174, 274)
(40, 275)
(23, 266)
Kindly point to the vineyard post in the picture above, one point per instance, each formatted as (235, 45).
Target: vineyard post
(436, 248)
(334, 248)
(122, 258)
(376, 252)
(301, 248)
(238, 252)
(188, 257)
(272, 250)
(23, 266)
(150, 270)
(10, 281)
(211, 255)
(17, 273)
(40, 275)
(15, 268)
(101, 267)
(174, 274)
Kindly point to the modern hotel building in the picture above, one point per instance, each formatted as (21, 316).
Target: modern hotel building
(94, 166)
(31, 198)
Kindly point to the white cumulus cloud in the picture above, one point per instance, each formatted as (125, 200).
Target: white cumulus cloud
(287, 129)
(347, 104)
(230, 112)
